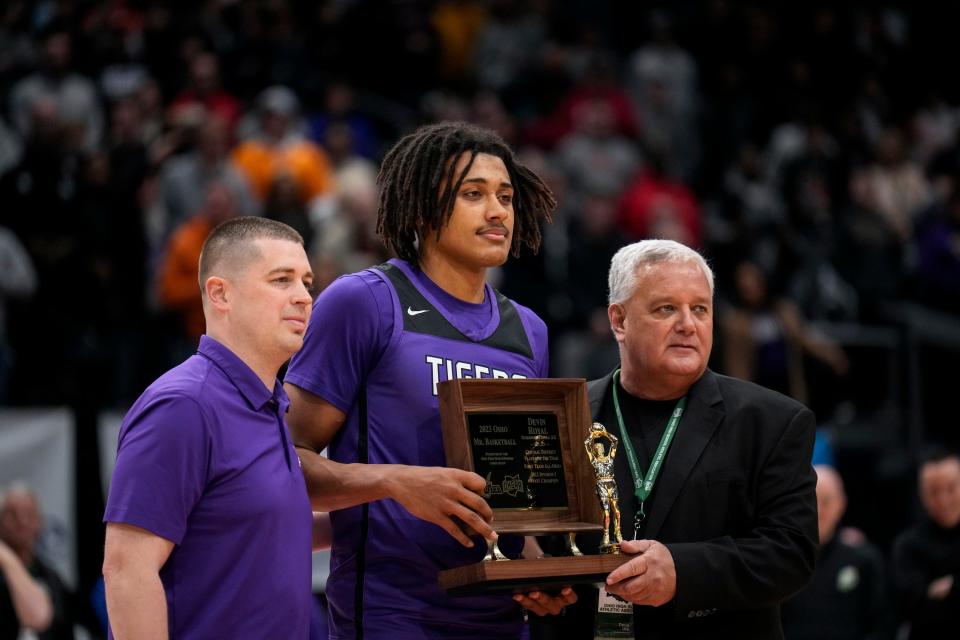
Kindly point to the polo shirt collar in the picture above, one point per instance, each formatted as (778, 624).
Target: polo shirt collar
(242, 376)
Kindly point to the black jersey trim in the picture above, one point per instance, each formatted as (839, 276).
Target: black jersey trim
(419, 316)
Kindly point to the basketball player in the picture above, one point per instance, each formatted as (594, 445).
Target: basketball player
(454, 203)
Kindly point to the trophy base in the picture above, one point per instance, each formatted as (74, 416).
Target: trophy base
(523, 576)
(611, 548)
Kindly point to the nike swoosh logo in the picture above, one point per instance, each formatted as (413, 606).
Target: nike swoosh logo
(411, 312)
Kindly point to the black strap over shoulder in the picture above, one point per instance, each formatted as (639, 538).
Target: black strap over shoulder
(419, 316)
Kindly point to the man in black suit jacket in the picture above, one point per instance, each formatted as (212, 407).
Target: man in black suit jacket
(728, 529)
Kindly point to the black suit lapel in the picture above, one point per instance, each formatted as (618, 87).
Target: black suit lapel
(596, 390)
(703, 414)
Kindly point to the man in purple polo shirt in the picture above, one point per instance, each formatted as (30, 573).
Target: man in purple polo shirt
(454, 202)
(208, 520)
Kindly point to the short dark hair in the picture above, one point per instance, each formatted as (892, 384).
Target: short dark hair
(413, 171)
(937, 453)
(233, 241)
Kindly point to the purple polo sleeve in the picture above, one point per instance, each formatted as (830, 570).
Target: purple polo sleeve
(351, 326)
(161, 468)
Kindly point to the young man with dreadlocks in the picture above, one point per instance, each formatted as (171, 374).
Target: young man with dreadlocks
(454, 202)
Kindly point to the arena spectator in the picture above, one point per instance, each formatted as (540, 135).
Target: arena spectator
(185, 179)
(846, 598)
(278, 148)
(765, 337)
(205, 88)
(926, 557)
(662, 81)
(75, 96)
(178, 287)
(657, 205)
(32, 595)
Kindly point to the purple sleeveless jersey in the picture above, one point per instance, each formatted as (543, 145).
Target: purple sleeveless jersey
(379, 342)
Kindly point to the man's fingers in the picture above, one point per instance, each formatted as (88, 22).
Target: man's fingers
(530, 604)
(635, 546)
(451, 527)
(473, 521)
(471, 481)
(648, 578)
(635, 567)
(449, 498)
(548, 603)
(544, 604)
(476, 504)
(632, 590)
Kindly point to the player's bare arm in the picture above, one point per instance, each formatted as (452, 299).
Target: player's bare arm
(445, 497)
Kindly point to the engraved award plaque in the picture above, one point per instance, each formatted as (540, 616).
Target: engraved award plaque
(527, 439)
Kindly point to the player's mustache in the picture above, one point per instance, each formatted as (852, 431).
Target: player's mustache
(495, 227)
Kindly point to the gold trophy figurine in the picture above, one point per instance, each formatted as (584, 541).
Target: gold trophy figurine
(606, 484)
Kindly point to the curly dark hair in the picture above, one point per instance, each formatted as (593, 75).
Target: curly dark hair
(412, 201)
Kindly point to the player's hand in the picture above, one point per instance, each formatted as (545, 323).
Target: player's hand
(649, 578)
(445, 497)
(543, 604)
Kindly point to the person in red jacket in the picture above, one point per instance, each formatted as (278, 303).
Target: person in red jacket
(656, 205)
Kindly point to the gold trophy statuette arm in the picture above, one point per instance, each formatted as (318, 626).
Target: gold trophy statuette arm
(597, 432)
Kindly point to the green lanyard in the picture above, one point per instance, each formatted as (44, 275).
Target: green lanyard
(643, 486)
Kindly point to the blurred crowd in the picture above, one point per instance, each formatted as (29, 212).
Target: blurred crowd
(797, 147)
(809, 151)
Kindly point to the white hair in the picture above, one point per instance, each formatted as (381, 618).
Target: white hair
(630, 259)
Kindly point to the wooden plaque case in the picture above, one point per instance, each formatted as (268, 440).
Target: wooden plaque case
(567, 399)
